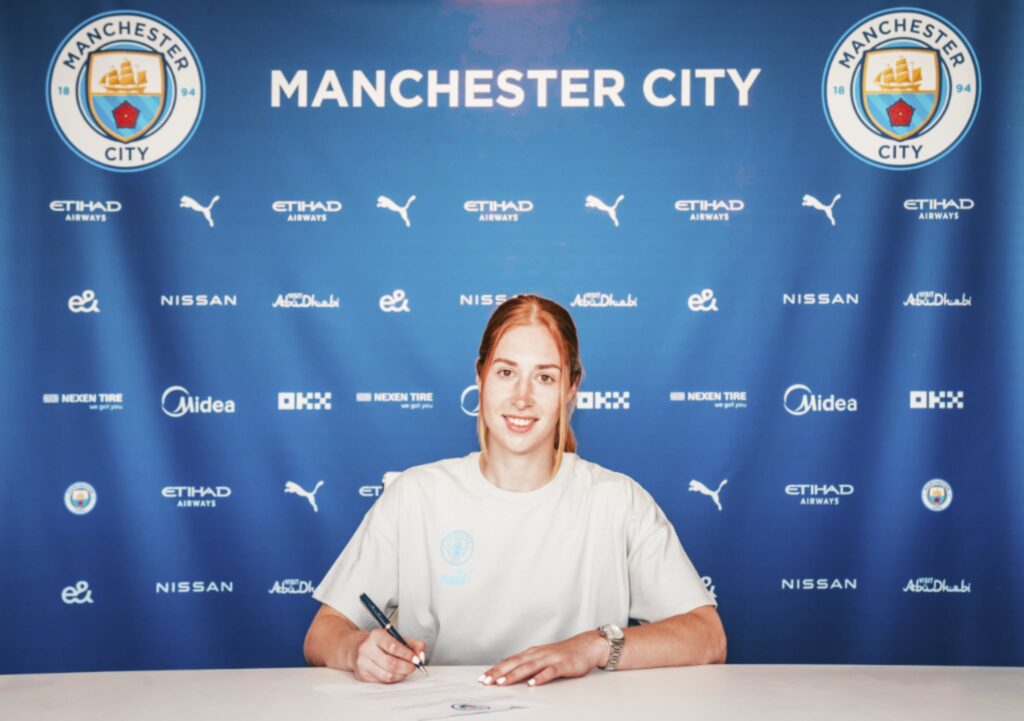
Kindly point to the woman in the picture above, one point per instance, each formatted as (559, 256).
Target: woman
(522, 552)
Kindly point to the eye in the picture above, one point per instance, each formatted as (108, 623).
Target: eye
(503, 372)
(546, 378)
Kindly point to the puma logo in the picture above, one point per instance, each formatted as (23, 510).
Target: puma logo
(811, 202)
(698, 487)
(385, 202)
(192, 204)
(292, 487)
(594, 202)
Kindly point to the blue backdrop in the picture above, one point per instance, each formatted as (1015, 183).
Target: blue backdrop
(173, 362)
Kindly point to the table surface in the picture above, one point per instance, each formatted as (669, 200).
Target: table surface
(706, 693)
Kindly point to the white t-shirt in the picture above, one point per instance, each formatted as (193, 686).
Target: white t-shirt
(480, 573)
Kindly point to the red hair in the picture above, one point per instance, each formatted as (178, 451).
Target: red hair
(523, 310)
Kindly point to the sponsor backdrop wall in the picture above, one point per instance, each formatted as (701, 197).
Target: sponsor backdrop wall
(248, 254)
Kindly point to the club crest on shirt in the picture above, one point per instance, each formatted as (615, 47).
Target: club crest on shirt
(457, 547)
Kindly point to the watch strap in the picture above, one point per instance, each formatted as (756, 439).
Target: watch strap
(616, 649)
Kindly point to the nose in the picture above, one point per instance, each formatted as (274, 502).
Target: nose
(523, 398)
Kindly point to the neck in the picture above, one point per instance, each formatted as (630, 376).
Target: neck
(512, 472)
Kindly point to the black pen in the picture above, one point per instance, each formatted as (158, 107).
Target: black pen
(386, 625)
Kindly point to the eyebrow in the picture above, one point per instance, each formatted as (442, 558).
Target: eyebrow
(544, 366)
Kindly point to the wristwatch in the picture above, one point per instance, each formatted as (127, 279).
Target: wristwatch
(616, 639)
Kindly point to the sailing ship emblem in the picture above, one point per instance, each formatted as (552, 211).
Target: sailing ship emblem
(900, 89)
(126, 92)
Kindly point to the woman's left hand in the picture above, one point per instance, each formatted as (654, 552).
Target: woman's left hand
(537, 665)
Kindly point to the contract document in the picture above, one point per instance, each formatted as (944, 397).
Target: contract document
(422, 699)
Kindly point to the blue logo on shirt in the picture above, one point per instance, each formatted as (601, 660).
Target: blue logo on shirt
(457, 547)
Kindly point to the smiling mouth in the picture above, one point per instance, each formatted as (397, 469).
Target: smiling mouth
(518, 424)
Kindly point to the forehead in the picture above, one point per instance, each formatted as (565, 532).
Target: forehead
(528, 345)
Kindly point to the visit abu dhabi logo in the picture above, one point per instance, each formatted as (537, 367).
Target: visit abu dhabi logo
(125, 91)
(901, 88)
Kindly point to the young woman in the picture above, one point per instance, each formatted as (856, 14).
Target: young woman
(523, 555)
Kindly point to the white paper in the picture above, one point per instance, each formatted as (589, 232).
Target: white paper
(424, 699)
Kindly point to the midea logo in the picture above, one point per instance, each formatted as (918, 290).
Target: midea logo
(176, 402)
(800, 400)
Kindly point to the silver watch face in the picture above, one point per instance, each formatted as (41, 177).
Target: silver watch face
(612, 632)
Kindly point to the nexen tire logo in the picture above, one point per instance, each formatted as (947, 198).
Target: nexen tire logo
(799, 400)
(176, 402)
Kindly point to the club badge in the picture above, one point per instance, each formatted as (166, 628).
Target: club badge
(125, 91)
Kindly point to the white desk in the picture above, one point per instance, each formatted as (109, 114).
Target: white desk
(740, 693)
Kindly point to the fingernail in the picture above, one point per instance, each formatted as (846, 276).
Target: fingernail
(487, 680)
(531, 682)
(501, 680)
(481, 679)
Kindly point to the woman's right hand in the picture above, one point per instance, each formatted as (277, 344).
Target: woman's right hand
(382, 659)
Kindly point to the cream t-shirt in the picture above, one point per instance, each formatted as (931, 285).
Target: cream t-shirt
(480, 573)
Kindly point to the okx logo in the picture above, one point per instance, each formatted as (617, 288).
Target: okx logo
(125, 91)
(942, 400)
(297, 401)
(602, 400)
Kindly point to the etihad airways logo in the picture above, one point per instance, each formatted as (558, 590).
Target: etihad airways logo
(498, 211)
(812, 494)
(709, 210)
(196, 496)
(799, 400)
(85, 211)
(306, 211)
(176, 402)
(938, 208)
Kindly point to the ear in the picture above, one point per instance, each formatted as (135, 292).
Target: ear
(570, 397)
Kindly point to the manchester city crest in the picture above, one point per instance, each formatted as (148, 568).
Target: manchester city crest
(901, 88)
(936, 495)
(125, 91)
(80, 498)
(457, 547)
